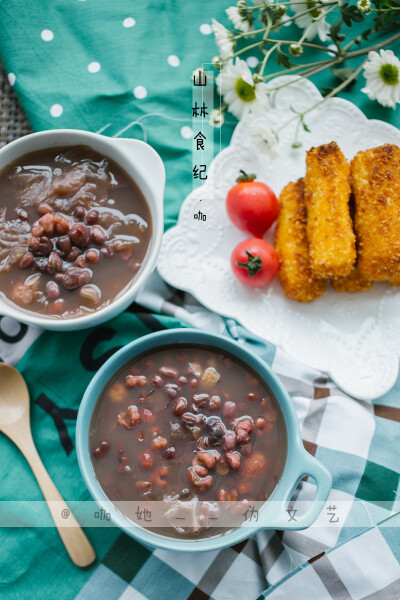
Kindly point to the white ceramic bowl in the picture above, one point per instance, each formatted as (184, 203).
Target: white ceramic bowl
(144, 165)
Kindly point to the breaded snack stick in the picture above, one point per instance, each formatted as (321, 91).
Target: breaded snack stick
(375, 176)
(292, 246)
(329, 227)
(355, 282)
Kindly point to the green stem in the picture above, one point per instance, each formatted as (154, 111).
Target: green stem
(377, 46)
(307, 73)
(330, 95)
(266, 57)
(305, 44)
(297, 68)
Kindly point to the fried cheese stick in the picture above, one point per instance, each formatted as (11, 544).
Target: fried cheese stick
(329, 227)
(355, 282)
(291, 244)
(375, 176)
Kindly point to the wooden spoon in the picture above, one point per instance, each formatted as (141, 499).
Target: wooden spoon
(15, 423)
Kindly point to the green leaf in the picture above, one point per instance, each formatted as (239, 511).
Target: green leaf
(335, 30)
(306, 128)
(343, 73)
(365, 34)
(283, 59)
(326, 90)
(350, 14)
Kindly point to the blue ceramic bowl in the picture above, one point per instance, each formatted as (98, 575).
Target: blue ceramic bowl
(273, 514)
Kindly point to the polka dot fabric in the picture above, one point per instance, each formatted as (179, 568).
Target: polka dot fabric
(114, 66)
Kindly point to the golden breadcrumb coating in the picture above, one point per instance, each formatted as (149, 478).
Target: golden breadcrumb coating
(355, 282)
(329, 227)
(375, 176)
(292, 246)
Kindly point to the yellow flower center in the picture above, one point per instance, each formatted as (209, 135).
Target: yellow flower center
(389, 74)
(245, 91)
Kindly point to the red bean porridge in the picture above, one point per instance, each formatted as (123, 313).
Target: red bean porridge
(184, 423)
(74, 232)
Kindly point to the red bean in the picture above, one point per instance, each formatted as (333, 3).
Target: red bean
(26, 260)
(157, 380)
(62, 225)
(182, 380)
(64, 244)
(215, 403)
(193, 384)
(169, 372)
(169, 453)
(91, 217)
(55, 263)
(229, 409)
(159, 442)
(33, 243)
(200, 483)
(80, 235)
(200, 400)
(146, 460)
(252, 397)
(148, 416)
(215, 427)
(229, 440)
(75, 278)
(101, 449)
(233, 459)
(52, 290)
(79, 213)
(23, 215)
(48, 223)
(73, 255)
(180, 406)
(99, 236)
(107, 252)
(132, 381)
(92, 256)
(45, 245)
(243, 429)
(143, 486)
(81, 262)
(207, 458)
(43, 208)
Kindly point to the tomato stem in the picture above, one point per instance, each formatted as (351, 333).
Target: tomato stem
(245, 176)
(253, 265)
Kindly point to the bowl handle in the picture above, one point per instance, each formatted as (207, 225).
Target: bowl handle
(308, 465)
(148, 162)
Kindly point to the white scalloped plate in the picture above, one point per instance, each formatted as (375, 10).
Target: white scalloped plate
(355, 338)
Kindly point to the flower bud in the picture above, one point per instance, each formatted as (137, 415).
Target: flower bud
(364, 6)
(257, 78)
(296, 49)
(217, 117)
(217, 63)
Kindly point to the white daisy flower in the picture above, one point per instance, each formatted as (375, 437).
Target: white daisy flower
(217, 117)
(309, 21)
(382, 72)
(260, 129)
(235, 83)
(223, 39)
(241, 18)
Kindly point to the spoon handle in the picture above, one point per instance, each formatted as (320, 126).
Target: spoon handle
(74, 539)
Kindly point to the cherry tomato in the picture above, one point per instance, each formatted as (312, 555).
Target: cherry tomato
(252, 206)
(255, 262)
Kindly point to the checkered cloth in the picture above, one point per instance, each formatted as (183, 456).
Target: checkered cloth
(353, 549)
